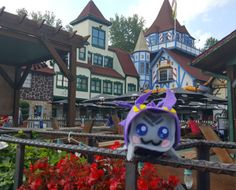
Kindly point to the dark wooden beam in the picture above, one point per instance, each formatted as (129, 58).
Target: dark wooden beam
(22, 18)
(62, 65)
(72, 34)
(32, 39)
(11, 21)
(231, 73)
(40, 23)
(23, 77)
(72, 90)
(58, 29)
(2, 11)
(16, 98)
(6, 77)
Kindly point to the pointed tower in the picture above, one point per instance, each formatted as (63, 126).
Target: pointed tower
(91, 17)
(141, 60)
(166, 32)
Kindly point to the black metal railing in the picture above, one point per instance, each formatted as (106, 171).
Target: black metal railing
(201, 164)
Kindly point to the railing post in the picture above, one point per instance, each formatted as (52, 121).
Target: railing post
(131, 175)
(90, 156)
(203, 177)
(20, 153)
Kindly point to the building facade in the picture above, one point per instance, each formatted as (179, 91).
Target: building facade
(37, 90)
(100, 69)
(166, 61)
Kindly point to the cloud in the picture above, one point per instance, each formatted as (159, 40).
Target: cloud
(187, 10)
(201, 38)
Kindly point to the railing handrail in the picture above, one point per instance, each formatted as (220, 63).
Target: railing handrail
(214, 167)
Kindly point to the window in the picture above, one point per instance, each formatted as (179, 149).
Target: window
(27, 83)
(81, 53)
(147, 69)
(108, 62)
(141, 68)
(107, 87)
(165, 75)
(98, 38)
(97, 59)
(61, 81)
(96, 85)
(90, 57)
(118, 88)
(153, 40)
(82, 83)
(131, 87)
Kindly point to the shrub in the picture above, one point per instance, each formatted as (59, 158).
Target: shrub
(24, 106)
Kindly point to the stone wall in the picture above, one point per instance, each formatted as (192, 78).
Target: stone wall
(41, 88)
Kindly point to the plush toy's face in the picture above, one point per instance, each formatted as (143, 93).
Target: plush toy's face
(151, 127)
(152, 131)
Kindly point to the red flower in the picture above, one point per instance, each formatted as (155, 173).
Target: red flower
(106, 174)
(36, 184)
(142, 184)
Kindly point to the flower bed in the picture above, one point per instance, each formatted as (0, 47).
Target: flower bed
(73, 172)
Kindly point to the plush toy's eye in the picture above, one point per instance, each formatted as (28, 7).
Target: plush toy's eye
(141, 129)
(163, 132)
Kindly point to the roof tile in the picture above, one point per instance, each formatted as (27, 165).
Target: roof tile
(104, 71)
(184, 62)
(91, 12)
(126, 62)
(165, 21)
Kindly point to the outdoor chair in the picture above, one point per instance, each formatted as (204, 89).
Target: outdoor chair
(117, 130)
(222, 153)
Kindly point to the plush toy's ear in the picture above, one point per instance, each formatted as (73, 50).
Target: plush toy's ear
(170, 99)
(123, 104)
(151, 104)
(122, 123)
(142, 98)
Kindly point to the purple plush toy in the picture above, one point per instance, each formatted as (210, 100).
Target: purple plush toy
(152, 128)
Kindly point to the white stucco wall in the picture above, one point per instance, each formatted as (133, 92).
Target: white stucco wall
(183, 78)
(132, 80)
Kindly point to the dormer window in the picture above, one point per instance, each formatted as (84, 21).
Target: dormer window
(98, 38)
(165, 75)
(81, 53)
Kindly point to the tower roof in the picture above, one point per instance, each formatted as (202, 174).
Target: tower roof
(165, 21)
(93, 13)
(141, 43)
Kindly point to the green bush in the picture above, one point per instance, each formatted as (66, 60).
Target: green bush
(8, 159)
(24, 106)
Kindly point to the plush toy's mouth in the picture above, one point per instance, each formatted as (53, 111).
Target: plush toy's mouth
(151, 141)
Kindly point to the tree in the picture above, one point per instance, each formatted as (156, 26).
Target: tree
(124, 32)
(210, 42)
(49, 17)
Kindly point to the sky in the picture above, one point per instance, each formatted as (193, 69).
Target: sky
(202, 18)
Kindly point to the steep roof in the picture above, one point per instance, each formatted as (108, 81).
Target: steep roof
(41, 68)
(215, 59)
(104, 71)
(93, 13)
(141, 43)
(184, 62)
(165, 21)
(126, 62)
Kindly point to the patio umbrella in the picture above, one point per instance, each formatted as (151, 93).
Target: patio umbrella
(212, 99)
(97, 105)
(62, 102)
(130, 96)
(185, 96)
(100, 98)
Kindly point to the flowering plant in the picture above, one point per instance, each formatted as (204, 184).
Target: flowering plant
(72, 172)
